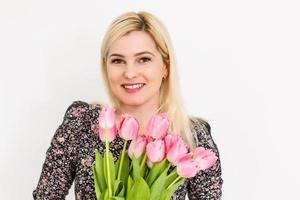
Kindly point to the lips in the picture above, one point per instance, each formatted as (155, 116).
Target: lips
(123, 85)
(133, 88)
(129, 84)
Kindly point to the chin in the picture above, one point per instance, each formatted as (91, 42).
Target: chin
(132, 103)
(135, 101)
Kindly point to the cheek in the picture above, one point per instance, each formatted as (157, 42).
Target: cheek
(113, 76)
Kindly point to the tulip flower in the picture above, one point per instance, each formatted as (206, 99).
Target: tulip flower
(170, 139)
(107, 120)
(205, 158)
(112, 133)
(155, 151)
(176, 148)
(107, 117)
(137, 147)
(107, 133)
(158, 126)
(187, 167)
(149, 163)
(129, 127)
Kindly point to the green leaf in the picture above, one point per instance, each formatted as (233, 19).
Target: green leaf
(144, 170)
(125, 170)
(162, 196)
(117, 198)
(129, 186)
(156, 170)
(100, 171)
(139, 190)
(104, 195)
(171, 177)
(136, 171)
(119, 189)
(158, 185)
(96, 183)
(111, 169)
(169, 192)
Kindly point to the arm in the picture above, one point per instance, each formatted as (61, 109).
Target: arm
(58, 170)
(207, 184)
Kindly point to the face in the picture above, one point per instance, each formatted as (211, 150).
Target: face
(135, 69)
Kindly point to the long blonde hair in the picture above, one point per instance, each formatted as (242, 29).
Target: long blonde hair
(170, 96)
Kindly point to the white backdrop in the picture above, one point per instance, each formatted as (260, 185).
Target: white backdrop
(238, 61)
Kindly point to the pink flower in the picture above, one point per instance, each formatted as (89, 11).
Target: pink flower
(158, 126)
(170, 139)
(107, 120)
(149, 163)
(176, 148)
(107, 117)
(156, 151)
(187, 167)
(112, 133)
(129, 127)
(205, 158)
(137, 147)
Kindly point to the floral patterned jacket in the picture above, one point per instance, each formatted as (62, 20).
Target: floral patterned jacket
(71, 154)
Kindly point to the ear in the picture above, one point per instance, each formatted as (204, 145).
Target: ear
(165, 71)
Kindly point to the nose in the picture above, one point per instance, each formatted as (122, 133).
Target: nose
(130, 71)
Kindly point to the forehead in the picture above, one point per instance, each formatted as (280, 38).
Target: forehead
(133, 42)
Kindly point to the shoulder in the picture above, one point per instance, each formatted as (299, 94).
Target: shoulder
(199, 124)
(201, 130)
(81, 109)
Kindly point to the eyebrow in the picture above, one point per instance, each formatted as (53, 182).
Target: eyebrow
(137, 54)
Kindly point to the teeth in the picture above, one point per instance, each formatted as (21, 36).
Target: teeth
(133, 86)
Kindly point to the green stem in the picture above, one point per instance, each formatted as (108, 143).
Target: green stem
(169, 165)
(178, 178)
(144, 159)
(130, 167)
(107, 162)
(121, 161)
(173, 172)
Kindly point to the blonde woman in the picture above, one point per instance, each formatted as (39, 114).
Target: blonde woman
(139, 72)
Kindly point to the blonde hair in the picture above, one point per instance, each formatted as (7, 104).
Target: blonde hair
(170, 96)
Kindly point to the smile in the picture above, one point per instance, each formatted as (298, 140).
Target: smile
(132, 88)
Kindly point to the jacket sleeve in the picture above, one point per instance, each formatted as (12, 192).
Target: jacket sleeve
(207, 184)
(58, 170)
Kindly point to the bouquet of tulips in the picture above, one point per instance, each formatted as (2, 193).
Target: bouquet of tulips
(155, 164)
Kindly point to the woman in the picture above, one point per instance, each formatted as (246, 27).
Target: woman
(139, 73)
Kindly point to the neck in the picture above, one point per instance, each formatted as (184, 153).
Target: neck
(142, 113)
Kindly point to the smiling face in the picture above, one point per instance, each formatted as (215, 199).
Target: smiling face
(135, 69)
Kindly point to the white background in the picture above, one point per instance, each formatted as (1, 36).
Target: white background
(239, 67)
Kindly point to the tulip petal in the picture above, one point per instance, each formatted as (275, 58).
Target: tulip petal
(205, 157)
(187, 168)
(129, 127)
(177, 150)
(107, 117)
(158, 126)
(156, 151)
(137, 147)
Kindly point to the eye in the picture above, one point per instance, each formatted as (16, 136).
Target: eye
(116, 61)
(145, 59)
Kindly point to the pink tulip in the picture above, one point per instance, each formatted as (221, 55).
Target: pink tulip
(155, 151)
(107, 117)
(149, 163)
(112, 134)
(158, 126)
(137, 147)
(170, 139)
(107, 120)
(187, 167)
(129, 127)
(176, 150)
(205, 158)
